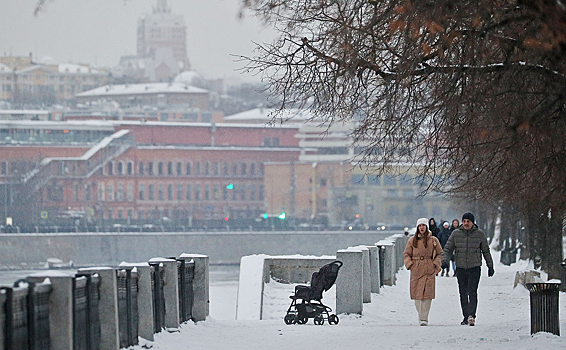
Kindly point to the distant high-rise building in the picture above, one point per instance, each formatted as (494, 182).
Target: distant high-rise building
(161, 36)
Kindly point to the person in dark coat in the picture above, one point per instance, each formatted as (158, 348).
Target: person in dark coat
(455, 225)
(468, 243)
(443, 238)
(433, 228)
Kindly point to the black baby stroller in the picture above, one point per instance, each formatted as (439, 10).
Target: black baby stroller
(310, 296)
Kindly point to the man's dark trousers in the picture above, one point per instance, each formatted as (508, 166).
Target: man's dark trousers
(468, 281)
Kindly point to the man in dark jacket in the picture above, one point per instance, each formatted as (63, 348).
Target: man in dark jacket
(468, 243)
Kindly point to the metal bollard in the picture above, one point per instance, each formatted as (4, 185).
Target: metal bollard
(544, 307)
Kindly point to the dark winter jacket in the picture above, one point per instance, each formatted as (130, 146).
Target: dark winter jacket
(468, 247)
(433, 228)
(443, 236)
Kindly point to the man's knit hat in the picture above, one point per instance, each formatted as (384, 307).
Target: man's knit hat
(469, 216)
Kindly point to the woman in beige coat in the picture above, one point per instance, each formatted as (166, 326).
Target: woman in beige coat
(423, 255)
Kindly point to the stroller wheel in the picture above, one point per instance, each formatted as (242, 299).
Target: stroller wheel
(302, 320)
(333, 319)
(289, 319)
(319, 320)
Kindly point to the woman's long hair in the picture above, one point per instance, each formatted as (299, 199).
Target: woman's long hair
(418, 237)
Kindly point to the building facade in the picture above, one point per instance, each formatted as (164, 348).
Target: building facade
(23, 81)
(138, 173)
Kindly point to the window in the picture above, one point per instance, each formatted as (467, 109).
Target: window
(197, 192)
(141, 169)
(252, 192)
(189, 192)
(179, 191)
(215, 168)
(261, 192)
(3, 168)
(405, 180)
(179, 169)
(225, 193)
(216, 192)
(197, 168)
(110, 192)
(130, 169)
(75, 192)
(170, 168)
(206, 168)
(101, 191)
(130, 192)
(87, 192)
(120, 170)
(391, 193)
(374, 180)
(234, 169)
(390, 180)
(275, 142)
(252, 169)
(160, 168)
(151, 192)
(110, 168)
(54, 193)
(244, 168)
(142, 192)
(120, 192)
(207, 192)
(161, 192)
(357, 179)
(150, 168)
(120, 214)
(224, 168)
(322, 182)
(170, 192)
(188, 169)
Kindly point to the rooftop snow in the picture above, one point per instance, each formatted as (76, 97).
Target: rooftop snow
(150, 88)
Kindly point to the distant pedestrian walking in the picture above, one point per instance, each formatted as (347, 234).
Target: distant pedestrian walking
(422, 257)
(443, 238)
(468, 243)
(455, 225)
(433, 228)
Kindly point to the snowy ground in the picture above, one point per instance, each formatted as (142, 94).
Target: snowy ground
(388, 322)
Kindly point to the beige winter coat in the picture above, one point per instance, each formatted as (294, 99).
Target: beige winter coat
(424, 264)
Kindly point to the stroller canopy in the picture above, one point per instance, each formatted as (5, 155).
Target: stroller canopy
(324, 279)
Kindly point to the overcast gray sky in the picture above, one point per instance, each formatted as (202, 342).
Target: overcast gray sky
(100, 31)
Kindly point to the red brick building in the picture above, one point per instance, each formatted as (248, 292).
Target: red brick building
(85, 174)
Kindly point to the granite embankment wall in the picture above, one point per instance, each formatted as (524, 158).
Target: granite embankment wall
(87, 249)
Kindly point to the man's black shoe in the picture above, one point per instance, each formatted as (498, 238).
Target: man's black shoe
(464, 322)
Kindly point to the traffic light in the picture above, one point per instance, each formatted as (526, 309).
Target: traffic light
(226, 218)
(282, 216)
(230, 186)
(265, 216)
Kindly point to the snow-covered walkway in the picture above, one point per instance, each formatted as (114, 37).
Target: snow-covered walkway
(388, 322)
